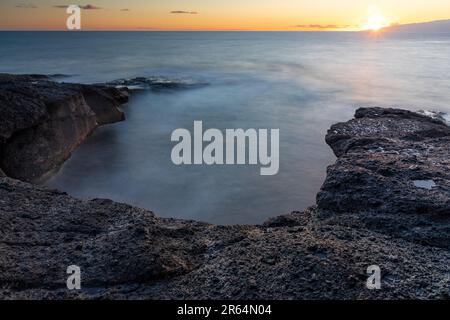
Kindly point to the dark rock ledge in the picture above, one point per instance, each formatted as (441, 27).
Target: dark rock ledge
(42, 121)
(385, 202)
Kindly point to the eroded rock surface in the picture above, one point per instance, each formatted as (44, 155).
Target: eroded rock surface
(42, 121)
(392, 175)
(369, 213)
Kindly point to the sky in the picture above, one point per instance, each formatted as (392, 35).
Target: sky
(323, 15)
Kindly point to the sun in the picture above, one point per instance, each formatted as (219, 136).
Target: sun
(376, 20)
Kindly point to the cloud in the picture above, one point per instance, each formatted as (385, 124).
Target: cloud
(26, 6)
(125, 9)
(86, 7)
(321, 26)
(183, 12)
(89, 7)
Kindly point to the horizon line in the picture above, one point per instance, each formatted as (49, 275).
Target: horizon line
(172, 30)
(217, 30)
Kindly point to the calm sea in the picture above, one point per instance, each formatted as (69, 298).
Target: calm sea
(300, 83)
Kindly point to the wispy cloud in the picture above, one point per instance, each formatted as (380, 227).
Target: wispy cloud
(125, 9)
(85, 7)
(183, 12)
(89, 7)
(26, 6)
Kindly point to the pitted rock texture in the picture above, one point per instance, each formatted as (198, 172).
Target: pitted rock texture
(363, 218)
(386, 160)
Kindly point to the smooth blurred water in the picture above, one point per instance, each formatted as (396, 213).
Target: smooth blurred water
(300, 83)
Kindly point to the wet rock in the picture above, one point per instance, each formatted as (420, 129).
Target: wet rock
(156, 83)
(441, 116)
(42, 121)
(105, 103)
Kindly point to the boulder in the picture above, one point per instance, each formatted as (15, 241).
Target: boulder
(42, 121)
(391, 175)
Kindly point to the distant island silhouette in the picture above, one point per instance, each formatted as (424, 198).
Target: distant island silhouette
(439, 26)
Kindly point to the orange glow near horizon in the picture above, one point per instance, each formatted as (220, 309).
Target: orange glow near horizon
(253, 15)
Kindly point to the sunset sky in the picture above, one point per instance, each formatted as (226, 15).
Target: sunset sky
(221, 14)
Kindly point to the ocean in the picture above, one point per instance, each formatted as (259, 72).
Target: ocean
(298, 82)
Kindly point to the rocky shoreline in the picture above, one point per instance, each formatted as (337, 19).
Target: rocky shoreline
(385, 202)
(43, 121)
